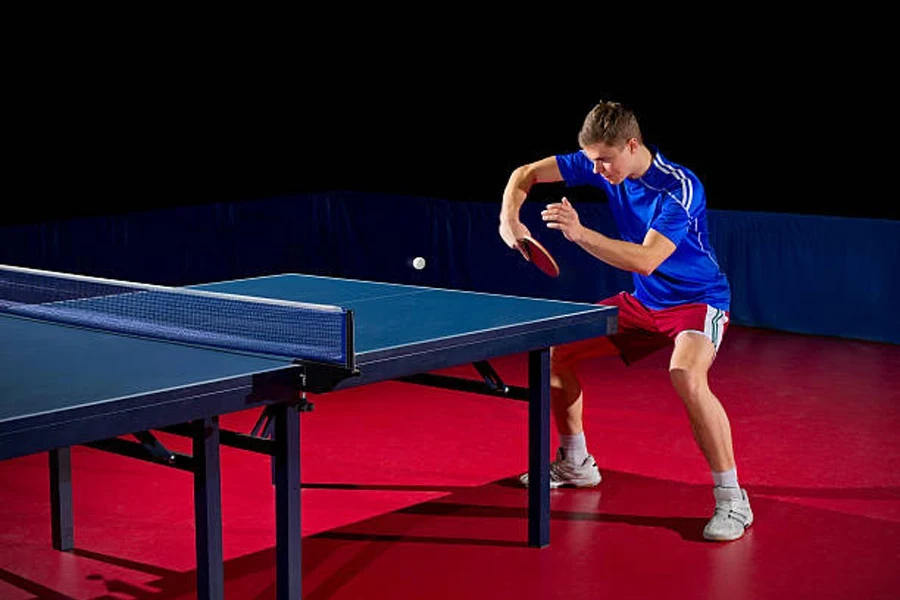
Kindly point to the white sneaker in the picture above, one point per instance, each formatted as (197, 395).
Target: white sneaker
(566, 474)
(732, 516)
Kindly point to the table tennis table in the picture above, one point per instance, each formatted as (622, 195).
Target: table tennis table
(63, 385)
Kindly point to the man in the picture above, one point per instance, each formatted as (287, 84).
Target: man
(681, 297)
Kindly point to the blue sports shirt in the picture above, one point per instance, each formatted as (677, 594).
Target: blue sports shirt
(670, 199)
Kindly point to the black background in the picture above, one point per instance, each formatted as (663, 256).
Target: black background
(96, 131)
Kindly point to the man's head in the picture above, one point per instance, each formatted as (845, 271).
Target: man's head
(610, 123)
(611, 138)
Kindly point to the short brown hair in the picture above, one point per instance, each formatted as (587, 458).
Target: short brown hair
(610, 123)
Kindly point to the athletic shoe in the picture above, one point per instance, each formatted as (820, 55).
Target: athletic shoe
(732, 516)
(566, 474)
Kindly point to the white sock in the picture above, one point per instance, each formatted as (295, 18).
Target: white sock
(575, 447)
(725, 478)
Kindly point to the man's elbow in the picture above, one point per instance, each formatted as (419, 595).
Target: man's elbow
(647, 267)
(523, 176)
(648, 259)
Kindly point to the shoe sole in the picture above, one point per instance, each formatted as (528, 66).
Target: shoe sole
(728, 539)
(574, 485)
(567, 485)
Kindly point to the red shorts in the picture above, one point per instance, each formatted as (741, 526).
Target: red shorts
(643, 331)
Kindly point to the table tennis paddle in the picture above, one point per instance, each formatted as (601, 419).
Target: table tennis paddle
(535, 253)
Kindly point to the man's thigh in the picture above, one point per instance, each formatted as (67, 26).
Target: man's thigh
(637, 336)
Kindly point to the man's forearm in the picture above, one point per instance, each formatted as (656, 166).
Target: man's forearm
(620, 254)
(514, 194)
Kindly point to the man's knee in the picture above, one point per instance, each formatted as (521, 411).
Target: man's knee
(563, 379)
(689, 383)
(561, 365)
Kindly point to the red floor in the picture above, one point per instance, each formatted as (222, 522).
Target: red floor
(408, 493)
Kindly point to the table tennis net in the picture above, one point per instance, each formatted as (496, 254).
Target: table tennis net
(294, 330)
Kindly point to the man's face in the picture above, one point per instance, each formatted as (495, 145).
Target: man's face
(610, 162)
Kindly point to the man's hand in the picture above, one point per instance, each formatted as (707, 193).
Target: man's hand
(564, 217)
(512, 230)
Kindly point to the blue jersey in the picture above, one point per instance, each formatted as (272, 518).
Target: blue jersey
(670, 199)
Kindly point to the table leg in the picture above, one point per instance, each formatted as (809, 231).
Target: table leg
(539, 448)
(208, 509)
(287, 502)
(61, 519)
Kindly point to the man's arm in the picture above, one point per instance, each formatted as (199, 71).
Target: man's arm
(521, 180)
(641, 258)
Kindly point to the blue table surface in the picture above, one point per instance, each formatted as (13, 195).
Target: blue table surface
(47, 367)
(390, 315)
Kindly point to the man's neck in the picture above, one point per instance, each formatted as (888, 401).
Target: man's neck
(643, 160)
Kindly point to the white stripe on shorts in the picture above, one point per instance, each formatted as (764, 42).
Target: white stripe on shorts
(713, 325)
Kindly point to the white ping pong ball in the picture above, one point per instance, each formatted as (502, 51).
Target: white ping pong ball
(419, 263)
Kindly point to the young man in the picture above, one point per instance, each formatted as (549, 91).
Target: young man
(681, 297)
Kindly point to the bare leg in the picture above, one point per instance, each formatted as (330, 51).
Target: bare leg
(566, 399)
(691, 359)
